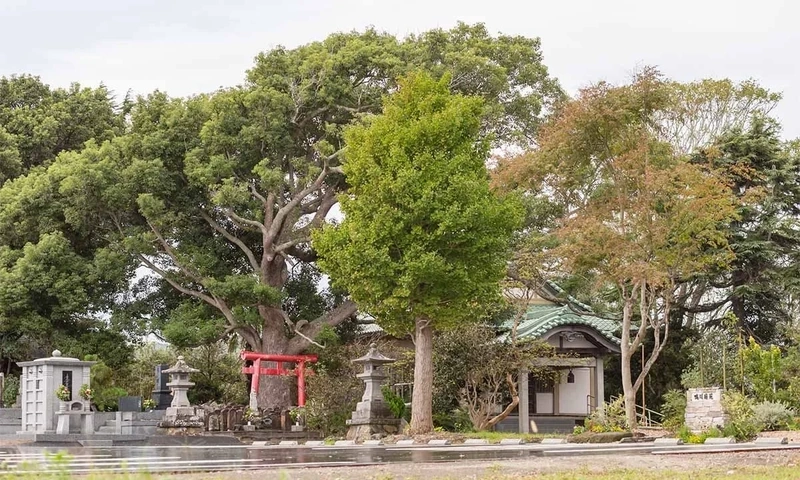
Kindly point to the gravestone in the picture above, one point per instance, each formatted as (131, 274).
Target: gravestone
(130, 404)
(162, 395)
(704, 409)
(42, 411)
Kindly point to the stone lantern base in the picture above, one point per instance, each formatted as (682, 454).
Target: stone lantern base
(372, 417)
(361, 430)
(183, 421)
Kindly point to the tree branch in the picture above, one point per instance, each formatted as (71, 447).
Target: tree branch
(332, 318)
(231, 238)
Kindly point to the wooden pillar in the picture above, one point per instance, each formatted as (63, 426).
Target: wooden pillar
(524, 399)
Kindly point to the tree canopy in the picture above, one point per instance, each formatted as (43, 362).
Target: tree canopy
(216, 194)
(423, 242)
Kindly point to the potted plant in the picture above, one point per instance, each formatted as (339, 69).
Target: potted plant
(86, 394)
(62, 393)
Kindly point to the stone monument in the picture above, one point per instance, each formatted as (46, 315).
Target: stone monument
(42, 411)
(181, 417)
(372, 415)
(704, 409)
(161, 394)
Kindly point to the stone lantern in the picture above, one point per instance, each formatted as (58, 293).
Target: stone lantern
(372, 415)
(179, 382)
(180, 414)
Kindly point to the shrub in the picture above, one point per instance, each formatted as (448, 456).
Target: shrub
(741, 419)
(772, 415)
(456, 421)
(674, 409)
(697, 438)
(396, 404)
(10, 391)
(608, 418)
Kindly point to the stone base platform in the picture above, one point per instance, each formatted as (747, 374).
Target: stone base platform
(365, 429)
(76, 438)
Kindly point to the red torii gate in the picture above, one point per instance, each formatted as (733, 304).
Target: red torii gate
(256, 370)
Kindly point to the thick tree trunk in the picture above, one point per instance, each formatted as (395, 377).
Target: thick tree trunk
(422, 397)
(274, 391)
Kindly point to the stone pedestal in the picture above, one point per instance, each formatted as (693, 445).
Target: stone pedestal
(181, 418)
(704, 409)
(372, 415)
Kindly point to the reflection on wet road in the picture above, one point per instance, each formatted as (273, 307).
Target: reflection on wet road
(205, 458)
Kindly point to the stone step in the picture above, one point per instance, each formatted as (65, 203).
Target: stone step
(476, 441)
(554, 441)
(439, 441)
(511, 441)
(666, 441)
(771, 441)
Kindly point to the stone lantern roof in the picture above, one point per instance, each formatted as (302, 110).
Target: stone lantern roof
(373, 357)
(180, 367)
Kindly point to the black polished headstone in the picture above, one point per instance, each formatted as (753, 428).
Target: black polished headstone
(162, 379)
(66, 380)
(130, 404)
(162, 395)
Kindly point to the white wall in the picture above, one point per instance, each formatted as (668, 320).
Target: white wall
(544, 403)
(572, 396)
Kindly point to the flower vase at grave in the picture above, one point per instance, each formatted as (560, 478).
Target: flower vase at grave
(62, 406)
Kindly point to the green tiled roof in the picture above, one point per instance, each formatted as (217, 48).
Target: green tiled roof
(539, 319)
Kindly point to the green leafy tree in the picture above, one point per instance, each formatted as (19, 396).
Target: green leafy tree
(424, 241)
(37, 122)
(764, 175)
(217, 194)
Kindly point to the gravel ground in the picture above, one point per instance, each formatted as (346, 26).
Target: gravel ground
(724, 462)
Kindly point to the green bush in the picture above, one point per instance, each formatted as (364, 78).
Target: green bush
(396, 404)
(697, 438)
(742, 423)
(608, 418)
(772, 415)
(11, 391)
(456, 421)
(674, 409)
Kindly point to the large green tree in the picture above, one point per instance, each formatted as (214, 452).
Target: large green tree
(424, 242)
(764, 174)
(217, 194)
(37, 122)
(55, 278)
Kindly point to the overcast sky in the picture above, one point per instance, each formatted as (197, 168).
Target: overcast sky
(191, 46)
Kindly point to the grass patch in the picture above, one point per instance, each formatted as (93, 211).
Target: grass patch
(527, 437)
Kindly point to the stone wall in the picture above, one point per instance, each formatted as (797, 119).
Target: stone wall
(704, 408)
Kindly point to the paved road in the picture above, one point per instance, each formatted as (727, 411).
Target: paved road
(224, 458)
